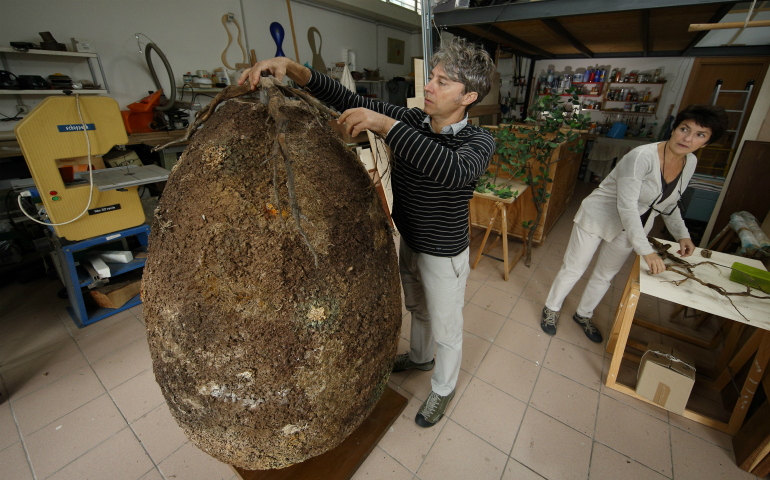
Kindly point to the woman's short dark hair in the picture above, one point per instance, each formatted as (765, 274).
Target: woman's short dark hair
(712, 117)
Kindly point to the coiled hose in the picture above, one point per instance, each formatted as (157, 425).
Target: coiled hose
(172, 98)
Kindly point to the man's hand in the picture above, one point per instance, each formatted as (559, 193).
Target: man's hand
(277, 67)
(655, 263)
(686, 247)
(356, 120)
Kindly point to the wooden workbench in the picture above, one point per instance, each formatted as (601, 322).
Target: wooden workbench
(694, 295)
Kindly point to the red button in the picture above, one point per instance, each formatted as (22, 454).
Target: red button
(52, 192)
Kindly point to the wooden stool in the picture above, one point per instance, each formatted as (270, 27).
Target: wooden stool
(499, 207)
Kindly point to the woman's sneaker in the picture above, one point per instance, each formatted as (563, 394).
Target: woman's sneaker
(589, 328)
(549, 320)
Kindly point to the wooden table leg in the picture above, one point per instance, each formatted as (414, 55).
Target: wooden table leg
(486, 236)
(735, 329)
(676, 311)
(738, 361)
(504, 228)
(751, 384)
(622, 307)
(630, 300)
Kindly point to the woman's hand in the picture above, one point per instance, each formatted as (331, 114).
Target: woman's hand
(277, 67)
(356, 120)
(686, 247)
(655, 263)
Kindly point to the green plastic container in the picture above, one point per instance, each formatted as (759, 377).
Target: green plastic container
(753, 277)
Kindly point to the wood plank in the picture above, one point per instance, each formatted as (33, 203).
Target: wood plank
(631, 300)
(619, 312)
(341, 462)
(752, 169)
(689, 414)
(738, 361)
(670, 332)
(750, 386)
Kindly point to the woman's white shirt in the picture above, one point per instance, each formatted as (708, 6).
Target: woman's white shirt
(627, 193)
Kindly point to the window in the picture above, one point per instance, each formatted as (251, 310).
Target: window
(414, 5)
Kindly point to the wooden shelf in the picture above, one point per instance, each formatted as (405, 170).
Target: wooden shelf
(636, 83)
(627, 112)
(569, 95)
(48, 52)
(53, 92)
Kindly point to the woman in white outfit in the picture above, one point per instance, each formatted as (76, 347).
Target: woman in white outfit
(617, 216)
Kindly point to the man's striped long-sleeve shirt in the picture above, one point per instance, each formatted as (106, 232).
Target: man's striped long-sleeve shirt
(433, 175)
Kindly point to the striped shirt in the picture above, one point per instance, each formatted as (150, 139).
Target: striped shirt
(433, 174)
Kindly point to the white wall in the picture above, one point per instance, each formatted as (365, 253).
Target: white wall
(675, 70)
(189, 32)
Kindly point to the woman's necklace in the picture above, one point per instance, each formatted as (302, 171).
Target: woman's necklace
(665, 147)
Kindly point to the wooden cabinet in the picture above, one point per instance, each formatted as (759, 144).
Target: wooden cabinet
(564, 174)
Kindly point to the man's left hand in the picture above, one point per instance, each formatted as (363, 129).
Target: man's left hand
(356, 120)
(686, 247)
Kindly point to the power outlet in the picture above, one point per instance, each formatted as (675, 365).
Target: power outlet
(22, 109)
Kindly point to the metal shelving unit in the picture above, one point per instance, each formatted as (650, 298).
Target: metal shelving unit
(89, 57)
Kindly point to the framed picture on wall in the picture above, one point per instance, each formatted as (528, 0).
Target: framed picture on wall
(396, 51)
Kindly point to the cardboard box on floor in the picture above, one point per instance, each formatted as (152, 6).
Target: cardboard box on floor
(666, 377)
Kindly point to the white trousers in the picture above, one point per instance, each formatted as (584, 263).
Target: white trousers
(434, 293)
(580, 251)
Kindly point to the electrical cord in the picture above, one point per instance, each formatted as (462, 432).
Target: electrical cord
(90, 176)
(230, 40)
(10, 119)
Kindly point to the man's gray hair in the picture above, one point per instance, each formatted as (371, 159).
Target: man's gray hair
(468, 64)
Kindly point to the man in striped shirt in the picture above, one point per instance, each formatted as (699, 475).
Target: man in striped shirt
(438, 159)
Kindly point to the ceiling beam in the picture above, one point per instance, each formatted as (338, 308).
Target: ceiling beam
(515, 41)
(732, 51)
(553, 9)
(645, 26)
(472, 37)
(562, 32)
(718, 16)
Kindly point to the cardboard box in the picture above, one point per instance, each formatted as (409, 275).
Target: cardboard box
(115, 295)
(666, 377)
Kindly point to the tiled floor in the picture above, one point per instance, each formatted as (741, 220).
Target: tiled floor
(80, 404)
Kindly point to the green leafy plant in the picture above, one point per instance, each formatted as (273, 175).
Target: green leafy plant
(525, 153)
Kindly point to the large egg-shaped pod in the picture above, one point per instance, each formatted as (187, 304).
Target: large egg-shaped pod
(272, 330)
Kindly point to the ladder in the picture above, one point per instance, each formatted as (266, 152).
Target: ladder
(746, 97)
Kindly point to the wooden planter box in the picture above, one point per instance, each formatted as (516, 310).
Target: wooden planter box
(564, 174)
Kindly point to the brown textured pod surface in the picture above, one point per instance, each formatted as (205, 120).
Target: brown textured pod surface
(264, 358)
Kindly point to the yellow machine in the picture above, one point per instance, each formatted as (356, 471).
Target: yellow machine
(50, 136)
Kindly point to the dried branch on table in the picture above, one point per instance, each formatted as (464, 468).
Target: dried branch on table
(662, 250)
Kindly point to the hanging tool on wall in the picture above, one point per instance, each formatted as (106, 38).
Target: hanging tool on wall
(227, 18)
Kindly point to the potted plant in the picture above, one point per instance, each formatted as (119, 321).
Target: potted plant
(525, 153)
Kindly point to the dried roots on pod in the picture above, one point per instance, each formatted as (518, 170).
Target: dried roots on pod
(271, 290)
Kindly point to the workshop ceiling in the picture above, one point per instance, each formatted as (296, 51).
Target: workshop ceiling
(596, 28)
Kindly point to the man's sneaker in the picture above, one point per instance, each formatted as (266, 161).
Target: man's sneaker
(433, 409)
(549, 320)
(592, 332)
(404, 363)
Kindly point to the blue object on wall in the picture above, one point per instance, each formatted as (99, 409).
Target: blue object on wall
(276, 30)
